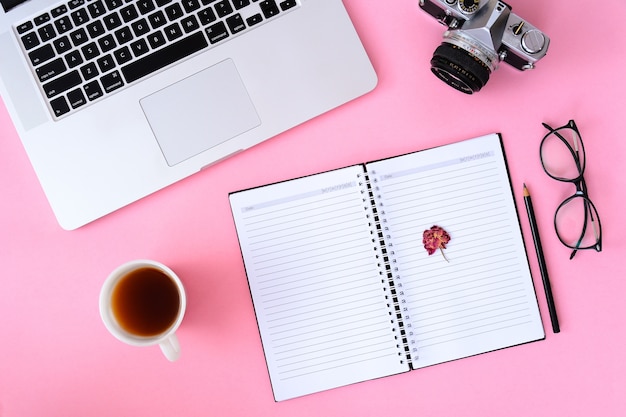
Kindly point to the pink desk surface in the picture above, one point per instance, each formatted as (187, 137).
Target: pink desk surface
(57, 358)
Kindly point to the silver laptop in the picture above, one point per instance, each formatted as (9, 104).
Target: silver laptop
(116, 99)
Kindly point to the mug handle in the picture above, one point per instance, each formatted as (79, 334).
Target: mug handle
(171, 348)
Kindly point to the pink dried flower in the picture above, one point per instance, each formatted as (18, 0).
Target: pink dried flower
(435, 238)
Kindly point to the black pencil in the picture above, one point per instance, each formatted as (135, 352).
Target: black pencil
(542, 262)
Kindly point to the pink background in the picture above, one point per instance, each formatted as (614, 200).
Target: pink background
(57, 358)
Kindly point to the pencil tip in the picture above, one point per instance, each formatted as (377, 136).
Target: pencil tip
(526, 193)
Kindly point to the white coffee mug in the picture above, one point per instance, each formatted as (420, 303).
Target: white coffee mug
(142, 303)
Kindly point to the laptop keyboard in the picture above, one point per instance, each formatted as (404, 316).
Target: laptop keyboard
(84, 50)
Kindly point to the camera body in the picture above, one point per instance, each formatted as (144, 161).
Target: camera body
(480, 35)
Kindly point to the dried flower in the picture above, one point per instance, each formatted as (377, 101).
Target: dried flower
(435, 238)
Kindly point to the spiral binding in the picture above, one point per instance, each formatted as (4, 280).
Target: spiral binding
(385, 266)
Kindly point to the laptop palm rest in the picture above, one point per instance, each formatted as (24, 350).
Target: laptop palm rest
(200, 112)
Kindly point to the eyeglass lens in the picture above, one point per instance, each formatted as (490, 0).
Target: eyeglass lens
(563, 155)
(576, 223)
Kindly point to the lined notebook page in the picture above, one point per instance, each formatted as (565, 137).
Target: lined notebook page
(315, 283)
(483, 298)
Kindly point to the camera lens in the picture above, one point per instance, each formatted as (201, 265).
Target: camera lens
(459, 69)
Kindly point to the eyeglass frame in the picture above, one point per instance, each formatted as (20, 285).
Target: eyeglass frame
(580, 184)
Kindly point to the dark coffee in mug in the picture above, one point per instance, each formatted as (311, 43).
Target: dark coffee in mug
(145, 302)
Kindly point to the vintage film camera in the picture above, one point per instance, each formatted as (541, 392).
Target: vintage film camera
(480, 34)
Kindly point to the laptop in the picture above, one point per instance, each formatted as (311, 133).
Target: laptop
(116, 99)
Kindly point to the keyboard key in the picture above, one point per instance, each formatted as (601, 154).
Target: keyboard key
(191, 5)
(62, 84)
(269, 8)
(75, 3)
(254, 19)
(240, 4)
(235, 23)
(89, 71)
(164, 57)
(173, 31)
(79, 37)
(58, 11)
(156, 39)
(122, 55)
(63, 24)
(162, 3)
(157, 19)
(46, 32)
(145, 6)
(93, 90)
(95, 29)
(62, 45)
(206, 16)
(140, 27)
(90, 51)
(96, 9)
(288, 4)
(217, 32)
(73, 59)
(129, 13)
(112, 81)
(123, 35)
(139, 47)
(190, 23)
(112, 21)
(106, 63)
(59, 106)
(30, 40)
(41, 55)
(223, 8)
(107, 43)
(25, 27)
(174, 11)
(76, 98)
(80, 16)
(41, 19)
(51, 70)
(113, 4)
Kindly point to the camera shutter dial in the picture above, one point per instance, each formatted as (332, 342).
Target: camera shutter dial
(469, 6)
(533, 41)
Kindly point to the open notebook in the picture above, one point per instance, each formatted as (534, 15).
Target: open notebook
(343, 288)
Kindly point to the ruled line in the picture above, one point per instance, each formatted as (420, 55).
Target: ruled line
(327, 290)
(341, 359)
(430, 322)
(345, 364)
(310, 362)
(341, 343)
(312, 280)
(262, 217)
(319, 334)
(474, 334)
(324, 300)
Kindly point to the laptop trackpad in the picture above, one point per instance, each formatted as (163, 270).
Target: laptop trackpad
(200, 112)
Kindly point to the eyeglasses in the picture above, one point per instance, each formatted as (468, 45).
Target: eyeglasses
(576, 220)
